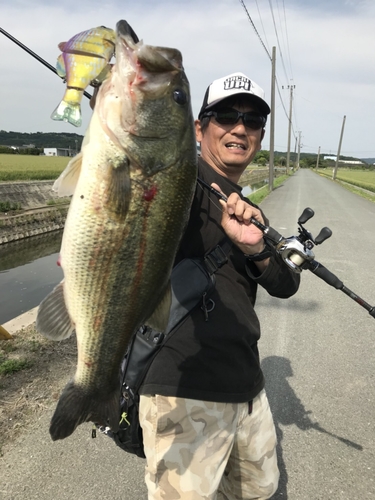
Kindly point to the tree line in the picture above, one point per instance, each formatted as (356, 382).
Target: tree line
(40, 140)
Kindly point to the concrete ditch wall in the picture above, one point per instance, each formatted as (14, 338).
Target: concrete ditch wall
(17, 227)
(37, 217)
(31, 194)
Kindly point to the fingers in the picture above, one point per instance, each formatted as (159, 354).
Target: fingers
(242, 210)
(236, 206)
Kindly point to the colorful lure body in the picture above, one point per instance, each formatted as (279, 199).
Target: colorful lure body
(84, 60)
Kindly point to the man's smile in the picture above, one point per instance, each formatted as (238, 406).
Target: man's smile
(235, 145)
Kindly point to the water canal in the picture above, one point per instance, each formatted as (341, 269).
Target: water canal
(28, 272)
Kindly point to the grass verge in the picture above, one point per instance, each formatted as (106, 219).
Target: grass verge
(353, 185)
(258, 196)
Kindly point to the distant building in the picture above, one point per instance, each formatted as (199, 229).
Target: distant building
(58, 152)
(350, 162)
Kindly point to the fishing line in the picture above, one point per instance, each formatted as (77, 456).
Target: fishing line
(33, 54)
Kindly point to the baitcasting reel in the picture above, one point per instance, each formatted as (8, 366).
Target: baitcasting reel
(297, 250)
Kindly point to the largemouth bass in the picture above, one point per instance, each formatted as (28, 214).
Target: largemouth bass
(133, 183)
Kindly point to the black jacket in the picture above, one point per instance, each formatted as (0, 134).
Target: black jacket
(218, 360)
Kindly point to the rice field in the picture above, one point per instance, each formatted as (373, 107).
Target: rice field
(360, 178)
(31, 168)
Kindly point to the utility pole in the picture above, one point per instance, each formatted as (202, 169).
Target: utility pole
(295, 153)
(272, 122)
(339, 150)
(317, 160)
(291, 87)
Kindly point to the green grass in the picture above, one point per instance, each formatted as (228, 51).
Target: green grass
(31, 168)
(258, 196)
(359, 178)
(355, 181)
(13, 365)
(58, 201)
(7, 206)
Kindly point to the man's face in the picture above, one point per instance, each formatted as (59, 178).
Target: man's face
(229, 148)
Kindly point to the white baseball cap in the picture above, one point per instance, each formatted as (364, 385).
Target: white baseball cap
(234, 84)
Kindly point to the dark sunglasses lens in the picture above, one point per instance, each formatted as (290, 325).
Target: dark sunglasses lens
(231, 116)
(227, 117)
(255, 122)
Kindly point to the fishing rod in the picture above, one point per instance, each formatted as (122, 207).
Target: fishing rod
(296, 251)
(40, 59)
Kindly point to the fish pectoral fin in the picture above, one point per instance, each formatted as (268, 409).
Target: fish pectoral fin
(159, 318)
(119, 188)
(66, 183)
(53, 320)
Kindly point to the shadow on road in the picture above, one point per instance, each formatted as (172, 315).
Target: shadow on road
(287, 409)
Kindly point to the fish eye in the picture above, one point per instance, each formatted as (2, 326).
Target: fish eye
(180, 96)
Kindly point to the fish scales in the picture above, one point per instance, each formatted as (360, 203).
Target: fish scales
(133, 184)
(104, 277)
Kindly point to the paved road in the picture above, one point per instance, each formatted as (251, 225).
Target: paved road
(318, 351)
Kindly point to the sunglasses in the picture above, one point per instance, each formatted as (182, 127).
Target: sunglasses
(230, 116)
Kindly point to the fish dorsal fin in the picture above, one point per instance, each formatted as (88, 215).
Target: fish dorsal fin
(53, 320)
(66, 183)
(159, 318)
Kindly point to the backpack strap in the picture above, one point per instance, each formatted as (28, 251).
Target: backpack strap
(218, 256)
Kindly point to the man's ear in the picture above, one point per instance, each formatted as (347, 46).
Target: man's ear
(198, 131)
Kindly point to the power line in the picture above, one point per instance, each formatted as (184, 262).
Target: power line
(256, 31)
(268, 54)
(278, 41)
(287, 39)
(261, 22)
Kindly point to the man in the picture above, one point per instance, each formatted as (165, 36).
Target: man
(207, 426)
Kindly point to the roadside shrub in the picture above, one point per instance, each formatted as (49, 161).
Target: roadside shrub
(7, 206)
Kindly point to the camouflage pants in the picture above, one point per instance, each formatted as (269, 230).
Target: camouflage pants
(201, 450)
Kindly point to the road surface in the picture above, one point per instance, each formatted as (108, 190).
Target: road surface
(317, 349)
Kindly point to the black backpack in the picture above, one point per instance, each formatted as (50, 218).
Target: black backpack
(192, 282)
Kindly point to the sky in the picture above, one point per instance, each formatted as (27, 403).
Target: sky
(324, 49)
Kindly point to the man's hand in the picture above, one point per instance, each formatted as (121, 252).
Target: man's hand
(236, 223)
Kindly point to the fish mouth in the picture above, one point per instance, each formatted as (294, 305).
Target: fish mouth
(124, 30)
(147, 70)
(146, 60)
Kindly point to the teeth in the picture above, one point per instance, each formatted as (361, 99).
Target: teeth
(238, 146)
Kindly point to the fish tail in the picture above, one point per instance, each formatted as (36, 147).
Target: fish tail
(76, 405)
(69, 109)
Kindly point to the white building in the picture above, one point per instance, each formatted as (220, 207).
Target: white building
(58, 152)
